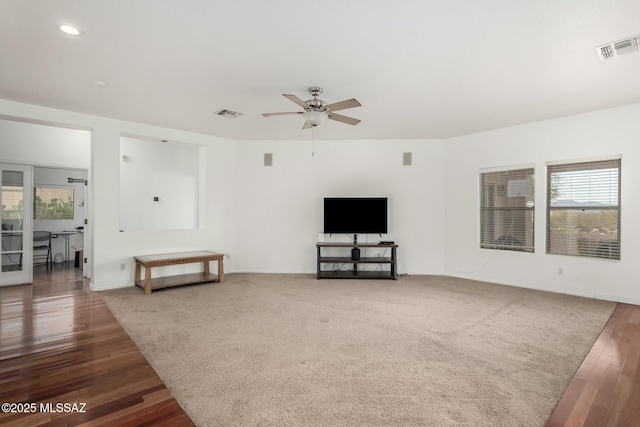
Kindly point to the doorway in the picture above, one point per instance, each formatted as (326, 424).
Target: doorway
(59, 208)
(47, 156)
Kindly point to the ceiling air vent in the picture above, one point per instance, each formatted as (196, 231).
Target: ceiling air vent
(228, 113)
(621, 47)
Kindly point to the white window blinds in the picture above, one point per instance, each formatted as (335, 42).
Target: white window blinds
(506, 210)
(53, 203)
(583, 209)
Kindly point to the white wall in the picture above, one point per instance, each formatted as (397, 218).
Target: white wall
(279, 208)
(168, 171)
(39, 144)
(268, 218)
(604, 133)
(110, 247)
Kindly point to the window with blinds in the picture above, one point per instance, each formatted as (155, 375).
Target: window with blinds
(583, 209)
(53, 203)
(506, 210)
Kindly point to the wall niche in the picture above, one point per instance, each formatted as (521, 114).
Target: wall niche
(159, 184)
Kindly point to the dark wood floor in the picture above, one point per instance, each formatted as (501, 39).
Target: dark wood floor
(59, 343)
(605, 392)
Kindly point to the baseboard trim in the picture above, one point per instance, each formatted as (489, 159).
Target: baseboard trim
(617, 298)
(597, 295)
(526, 286)
(109, 287)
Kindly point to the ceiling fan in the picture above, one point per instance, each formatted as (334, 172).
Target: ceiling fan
(317, 111)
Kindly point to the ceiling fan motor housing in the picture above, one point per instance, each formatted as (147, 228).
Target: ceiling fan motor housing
(316, 104)
(315, 91)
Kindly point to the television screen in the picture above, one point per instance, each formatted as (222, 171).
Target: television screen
(355, 215)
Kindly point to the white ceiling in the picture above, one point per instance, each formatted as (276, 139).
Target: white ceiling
(421, 69)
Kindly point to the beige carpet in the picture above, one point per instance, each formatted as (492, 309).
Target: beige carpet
(289, 350)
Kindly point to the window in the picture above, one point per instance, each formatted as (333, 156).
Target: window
(583, 209)
(53, 203)
(506, 210)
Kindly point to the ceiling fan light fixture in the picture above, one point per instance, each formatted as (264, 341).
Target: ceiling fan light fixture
(314, 118)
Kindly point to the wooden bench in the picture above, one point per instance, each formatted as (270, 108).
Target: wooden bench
(163, 260)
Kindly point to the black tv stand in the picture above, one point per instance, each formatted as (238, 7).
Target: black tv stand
(355, 273)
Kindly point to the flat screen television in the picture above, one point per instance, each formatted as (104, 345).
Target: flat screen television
(355, 215)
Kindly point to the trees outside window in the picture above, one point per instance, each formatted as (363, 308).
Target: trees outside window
(53, 203)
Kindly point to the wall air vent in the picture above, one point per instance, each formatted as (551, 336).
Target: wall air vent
(228, 113)
(621, 47)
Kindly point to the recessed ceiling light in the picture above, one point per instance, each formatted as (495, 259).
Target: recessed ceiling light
(68, 29)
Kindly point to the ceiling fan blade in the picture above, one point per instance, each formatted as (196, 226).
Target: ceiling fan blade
(307, 125)
(281, 114)
(344, 119)
(343, 105)
(295, 99)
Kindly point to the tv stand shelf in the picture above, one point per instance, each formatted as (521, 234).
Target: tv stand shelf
(355, 273)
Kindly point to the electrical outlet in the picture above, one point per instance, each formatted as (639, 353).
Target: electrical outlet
(123, 266)
(560, 271)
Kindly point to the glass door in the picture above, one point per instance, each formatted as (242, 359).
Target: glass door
(16, 219)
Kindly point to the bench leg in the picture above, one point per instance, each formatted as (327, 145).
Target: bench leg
(147, 280)
(138, 276)
(220, 270)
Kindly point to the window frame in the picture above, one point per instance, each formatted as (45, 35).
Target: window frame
(487, 212)
(585, 247)
(55, 187)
